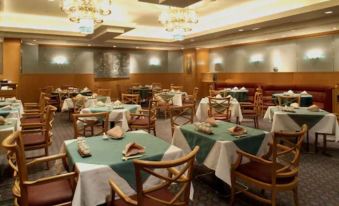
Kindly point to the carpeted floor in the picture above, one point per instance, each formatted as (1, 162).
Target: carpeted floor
(319, 174)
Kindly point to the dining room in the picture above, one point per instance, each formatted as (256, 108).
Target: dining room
(167, 102)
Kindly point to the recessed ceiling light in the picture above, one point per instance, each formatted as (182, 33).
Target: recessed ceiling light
(192, 40)
(197, 48)
(182, 47)
(241, 30)
(255, 28)
(50, 0)
(137, 47)
(328, 12)
(334, 28)
(114, 46)
(89, 45)
(34, 39)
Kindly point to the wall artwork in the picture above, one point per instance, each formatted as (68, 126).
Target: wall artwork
(111, 64)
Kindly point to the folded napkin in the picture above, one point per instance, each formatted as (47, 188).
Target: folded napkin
(237, 130)
(117, 103)
(85, 89)
(100, 104)
(94, 95)
(58, 90)
(211, 121)
(228, 89)
(235, 88)
(242, 88)
(229, 96)
(303, 92)
(7, 107)
(218, 96)
(2, 120)
(204, 128)
(295, 105)
(83, 148)
(172, 90)
(133, 148)
(4, 88)
(290, 92)
(116, 132)
(313, 108)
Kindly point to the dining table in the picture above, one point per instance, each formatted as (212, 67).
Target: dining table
(144, 91)
(218, 150)
(175, 97)
(203, 107)
(291, 119)
(240, 94)
(305, 99)
(119, 114)
(90, 101)
(106, 163)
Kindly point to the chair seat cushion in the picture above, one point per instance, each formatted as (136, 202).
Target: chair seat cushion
(261, 172)
(33, 138)
(163, 194)
(139, 122)
(51, 193)
(221, 116)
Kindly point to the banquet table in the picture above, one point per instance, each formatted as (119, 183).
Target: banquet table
(118, 115)
(321, 121)
(68, 102)
(240, 94)
(218, 150)
(305, 99)
(106, 162)
(202, 110)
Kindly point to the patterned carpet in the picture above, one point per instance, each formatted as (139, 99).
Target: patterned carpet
(319, 175)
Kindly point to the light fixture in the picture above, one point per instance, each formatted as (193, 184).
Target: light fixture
(86, 13)
(178, 21)
(315, 54)
(328, 12)
(240, 30)
(60, 60)
(154, 61)
(114, 46)
(256, 58)
(255, 28)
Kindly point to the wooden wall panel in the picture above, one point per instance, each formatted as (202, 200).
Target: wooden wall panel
(11, 60)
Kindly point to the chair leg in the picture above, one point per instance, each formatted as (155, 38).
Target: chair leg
(307, 142)
(295, 196)
(325, 146)
(46, 154)
(154, 132)
(233, 190)
(316, 143)
(274, 198)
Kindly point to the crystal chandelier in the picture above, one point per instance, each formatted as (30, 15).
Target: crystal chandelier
(178, 21)
(86, 13)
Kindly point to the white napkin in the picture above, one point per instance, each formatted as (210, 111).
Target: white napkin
(235, 88)
(85, 89)
(242, 88)
(116, 103)
(295, 105)
(290, 92)
(303, 92)
(100, 104)
(228, 89)
(172, 90)
(218, 96)
(58, 90)
(4, 88)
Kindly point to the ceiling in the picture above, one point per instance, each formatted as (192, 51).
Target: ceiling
(221, 22)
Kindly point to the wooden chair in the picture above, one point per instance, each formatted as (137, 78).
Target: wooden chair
(96, 122)
(65, 86)
(52, 190)
(156, 86)
(287, 100)
(159, 194)
(145, 119)
(34, 106)
(214, 93)
(36, 136)
(181, 115)
(53, 98)
(192, 98)
(219, 108)
(164, 104)
(275, 171)
(130, 98)
(253, 111)
(35, 116)
(104, 92)
(176, 87)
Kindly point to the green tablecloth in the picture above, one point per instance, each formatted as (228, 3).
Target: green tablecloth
(241, 96)
(130, 107)
(305, 100)
(109, 152)
(303, 116)
(250, 143)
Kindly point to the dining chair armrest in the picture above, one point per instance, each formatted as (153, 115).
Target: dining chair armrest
(69, 175)
(46, 159)
(121, 194)
(34, 114)
(254, 158)
(137, 115)
(31, 125)
(31, 104)
(30, 110)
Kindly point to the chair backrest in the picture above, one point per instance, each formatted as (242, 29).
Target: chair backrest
(219, 106)
(285, 150)
(48, 89)
(130, 98)
(195, 93)
(287, 100)
(96, 122)
(156, 85)
(104, 92)
(44, 103)
(181, 115)
(177, 87)
(65, 86)
(152, 111)
(258, 102)
(182, 177)
(49, 119)
(78, 103)
(135, 84)
(213, 92)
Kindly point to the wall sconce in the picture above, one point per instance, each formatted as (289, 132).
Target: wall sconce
(256, 58)
(315, 54)
(154, 61)
(60, 60)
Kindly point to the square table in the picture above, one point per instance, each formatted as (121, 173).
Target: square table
(202, 110)
(90, 102)
(121, 115)
(218, 150)
(305, 99)
(240, 94)
(106, 162)
(322, 121)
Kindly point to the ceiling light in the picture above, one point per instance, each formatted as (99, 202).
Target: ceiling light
(137, 47)
(178, 21)
(241, 30)
(34, 39)
(89, 45)
(334, 28)
(255, 28)
(50, 0)
(114, 46)
(86, 13)
(328, 12)
(182, 47)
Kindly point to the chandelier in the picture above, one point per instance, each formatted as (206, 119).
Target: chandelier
(86, 13)
(178, 21)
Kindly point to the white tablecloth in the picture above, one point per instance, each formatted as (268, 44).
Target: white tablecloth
(282, 121)
(92, 186)
(68, 103)
(222, 155)
(202, 110)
